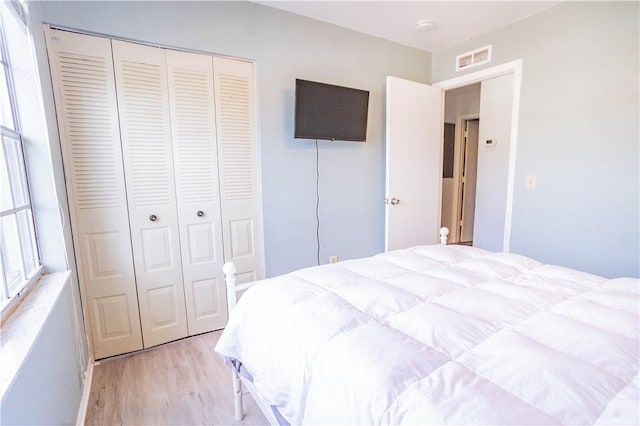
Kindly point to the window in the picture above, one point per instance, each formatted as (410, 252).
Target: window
(19, 260)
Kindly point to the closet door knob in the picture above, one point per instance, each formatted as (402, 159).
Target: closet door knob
(153, 218)
(200, 213)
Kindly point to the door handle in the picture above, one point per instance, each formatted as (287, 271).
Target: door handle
(153, 218)
(200, 213)
(395, 201)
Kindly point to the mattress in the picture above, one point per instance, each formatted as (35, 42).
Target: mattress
(441, 335)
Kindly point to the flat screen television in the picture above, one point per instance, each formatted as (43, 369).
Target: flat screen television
(325, 111)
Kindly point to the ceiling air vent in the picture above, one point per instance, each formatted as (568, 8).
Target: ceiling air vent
(473, 58)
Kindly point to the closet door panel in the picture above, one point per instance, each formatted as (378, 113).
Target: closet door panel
(85, 97)
(239, 159)
(197, 188)
(143, 105)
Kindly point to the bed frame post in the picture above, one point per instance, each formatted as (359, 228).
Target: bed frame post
(444, 233)
(230, 270)
(237, 394)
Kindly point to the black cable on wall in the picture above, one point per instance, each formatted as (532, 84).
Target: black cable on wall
(317, 203)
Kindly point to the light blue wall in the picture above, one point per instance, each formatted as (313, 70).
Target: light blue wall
(285, 47)
(48, 389)
(48, 192)
(578, 132)
(578, 128)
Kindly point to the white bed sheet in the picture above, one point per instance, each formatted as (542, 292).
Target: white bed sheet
(441, 335)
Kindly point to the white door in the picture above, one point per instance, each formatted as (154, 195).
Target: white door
(85, 96)
(141, 82)
(469, 173)
(238, 154)
(197, 188)
(415, 117)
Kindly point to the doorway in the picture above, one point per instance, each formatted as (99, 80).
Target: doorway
(459, 175)
(413, 166)
(498, 128)
(460, 153)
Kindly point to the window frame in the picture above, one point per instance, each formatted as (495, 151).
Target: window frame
(10, 296)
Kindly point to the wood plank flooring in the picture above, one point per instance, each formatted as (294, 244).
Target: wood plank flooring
(179, 383)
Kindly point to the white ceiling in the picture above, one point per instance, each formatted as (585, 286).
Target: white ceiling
(453, 21)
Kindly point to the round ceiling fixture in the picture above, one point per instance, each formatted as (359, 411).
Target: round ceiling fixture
(424, 25)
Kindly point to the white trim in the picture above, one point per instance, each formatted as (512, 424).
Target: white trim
(86, 391)
(146, 43)
(478, 76)
(259, 188)
(28, 244)
(4, 131)
(511, 178)
(515, 68)
(15, 210)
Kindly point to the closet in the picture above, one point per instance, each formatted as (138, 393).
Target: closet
(161, 164)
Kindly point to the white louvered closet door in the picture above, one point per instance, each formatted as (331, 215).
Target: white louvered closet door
(143, 105)
(238, 155)
(196, 169)
(85, 96)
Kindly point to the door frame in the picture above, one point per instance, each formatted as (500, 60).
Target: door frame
(515, 68)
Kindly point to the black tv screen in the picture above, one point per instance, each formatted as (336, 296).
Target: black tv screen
(325, 111)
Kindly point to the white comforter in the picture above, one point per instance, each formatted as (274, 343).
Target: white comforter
(441, 334)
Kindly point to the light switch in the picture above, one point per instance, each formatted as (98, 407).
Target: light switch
(530, 182)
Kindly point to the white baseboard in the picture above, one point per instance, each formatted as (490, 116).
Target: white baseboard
(86, 391)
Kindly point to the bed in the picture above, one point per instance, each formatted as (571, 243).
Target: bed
(441, 334)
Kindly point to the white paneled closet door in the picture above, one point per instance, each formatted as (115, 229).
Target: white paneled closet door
(196, 171)
(238, 155)
(161, 160)
(143, 105)
(85, 97)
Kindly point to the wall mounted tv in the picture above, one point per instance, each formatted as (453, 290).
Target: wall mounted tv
(325, 111)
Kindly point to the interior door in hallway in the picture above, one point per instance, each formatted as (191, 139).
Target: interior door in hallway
(469, 177)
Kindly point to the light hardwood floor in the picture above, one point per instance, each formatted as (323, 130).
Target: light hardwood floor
(179, 383)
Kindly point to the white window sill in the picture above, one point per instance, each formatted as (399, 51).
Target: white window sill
(10, 305)
(23, 327)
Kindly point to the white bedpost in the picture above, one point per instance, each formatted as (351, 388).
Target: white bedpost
(444, 232)
(237, 394)
(230, 270)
